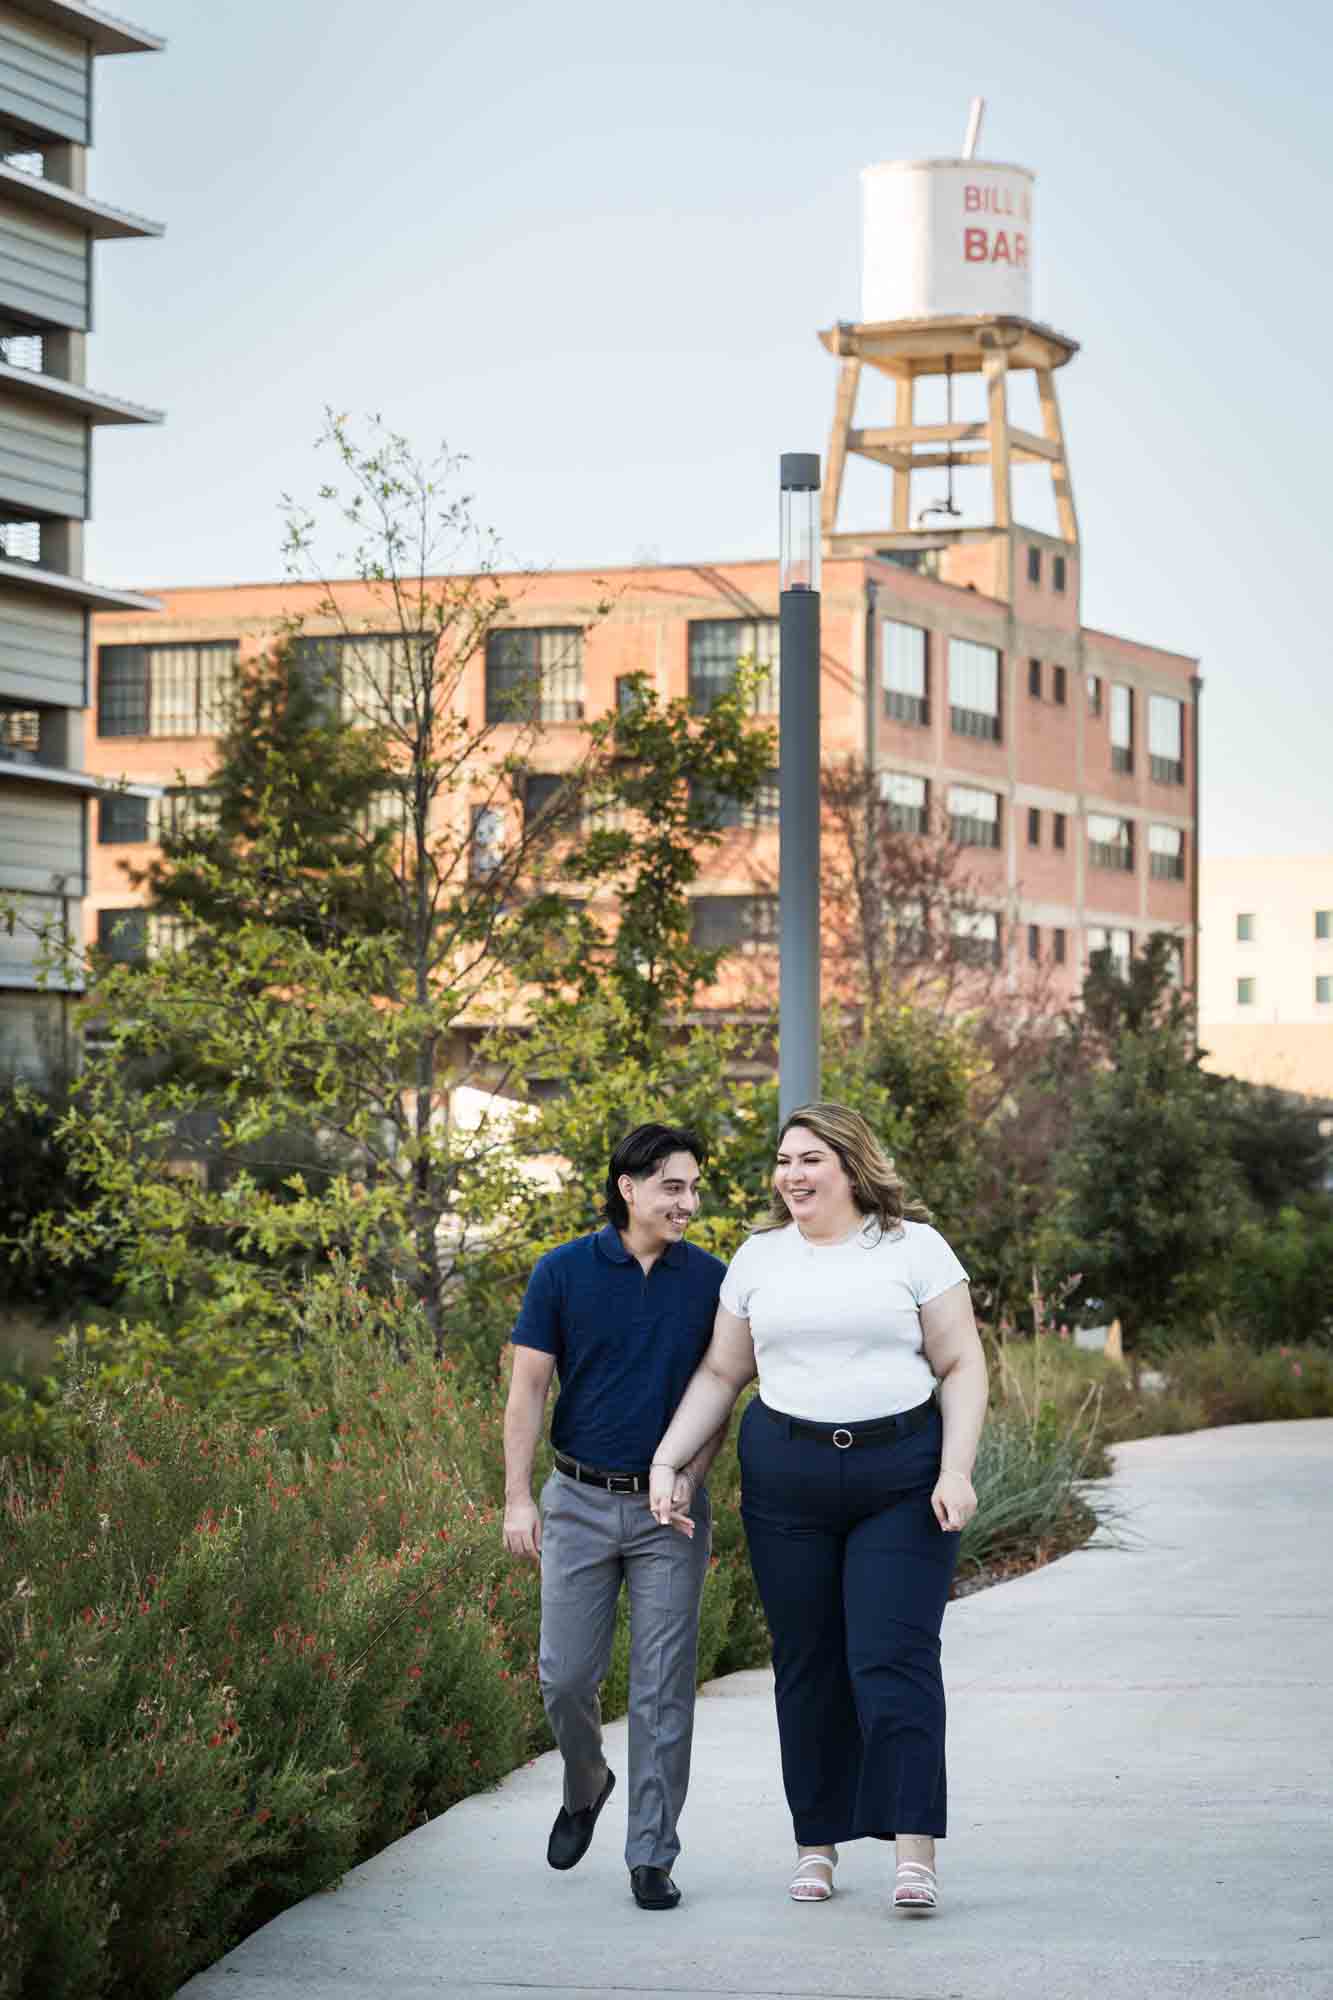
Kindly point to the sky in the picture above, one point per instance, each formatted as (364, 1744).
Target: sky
(590, 246)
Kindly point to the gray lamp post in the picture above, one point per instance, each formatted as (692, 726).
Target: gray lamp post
(798, 869)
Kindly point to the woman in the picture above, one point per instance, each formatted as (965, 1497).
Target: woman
(855, 1480)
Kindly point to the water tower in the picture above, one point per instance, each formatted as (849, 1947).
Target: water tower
(946, 291)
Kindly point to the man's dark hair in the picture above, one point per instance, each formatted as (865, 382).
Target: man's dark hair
(639, 1153)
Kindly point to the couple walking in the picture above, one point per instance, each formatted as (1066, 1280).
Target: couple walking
(856, 1459)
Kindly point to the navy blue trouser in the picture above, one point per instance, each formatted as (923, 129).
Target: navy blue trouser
(854, 1572)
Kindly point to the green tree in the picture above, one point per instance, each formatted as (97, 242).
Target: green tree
(396, 1047)
(287, 757)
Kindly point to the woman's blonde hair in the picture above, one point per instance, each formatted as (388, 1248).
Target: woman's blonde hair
(876, 1188)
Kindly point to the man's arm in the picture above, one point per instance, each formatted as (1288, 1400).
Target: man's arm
(529, 1384)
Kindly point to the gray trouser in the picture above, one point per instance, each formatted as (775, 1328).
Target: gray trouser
(591, 1540)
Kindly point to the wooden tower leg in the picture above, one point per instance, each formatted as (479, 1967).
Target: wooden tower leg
(1050, 423)
(995, 367)
(902, 477)
(844, 410)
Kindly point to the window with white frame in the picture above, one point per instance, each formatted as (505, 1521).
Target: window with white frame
(1323, 989)
(904, 672)
(488, 840)
(1247, 927)
(1166, 740)
(718, 810)
(1122, 727)
(974, 816)
(1118, 945)
(906, 801)
(717, 648)
(974, 937)
(1166, 853)
(1247, 991)
(1111, 842)
(534, 673)
(974, 690)
(1323, 926)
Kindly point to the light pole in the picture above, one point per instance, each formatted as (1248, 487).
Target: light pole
(798, 735)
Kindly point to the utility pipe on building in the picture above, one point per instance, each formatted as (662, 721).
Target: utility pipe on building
(798, 732)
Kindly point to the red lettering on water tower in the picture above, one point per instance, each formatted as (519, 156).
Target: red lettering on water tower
(976, 246)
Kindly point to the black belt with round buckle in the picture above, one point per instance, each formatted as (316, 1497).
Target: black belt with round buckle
(844, 1436)
(594, 1475)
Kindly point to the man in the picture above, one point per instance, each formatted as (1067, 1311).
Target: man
(624, 1315)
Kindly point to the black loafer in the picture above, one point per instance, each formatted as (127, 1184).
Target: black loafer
(571, 1836)
(653, 1888)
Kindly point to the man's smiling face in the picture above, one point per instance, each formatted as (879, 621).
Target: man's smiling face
(662, 1204)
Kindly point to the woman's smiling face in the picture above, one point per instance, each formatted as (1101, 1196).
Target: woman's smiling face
(811, 1178)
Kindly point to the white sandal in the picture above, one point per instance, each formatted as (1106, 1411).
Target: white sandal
(915, 1888)
(804, 1888)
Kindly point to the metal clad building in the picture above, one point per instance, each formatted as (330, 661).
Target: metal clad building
(48, 228)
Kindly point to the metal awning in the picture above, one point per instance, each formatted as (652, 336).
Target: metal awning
(52, 199)
(108, 35)
(90, 404)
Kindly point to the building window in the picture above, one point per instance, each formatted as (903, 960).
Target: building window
(1166, 740)
(1323, 925)
(1323, 989)
(122, 820)
(1094, 694)
(974, 817)
(1034, 678)
(1116, 945)
(1166, 853)
(1111, 842)
(715, 809)
(369, 677)
(1058, 946)
(1058, 569)
(974, 937)
(165, 690)
(1034, 942)
(1034, 563)
(1059, 686)
(488, 840)
(123, 935)
(1122, 727)
(185, 810)
(1247, 992)
(535, 674)
(904, 670)
(1246, 927)
(21, 735)
(1034, 826)
(717, 648)
(547, 797)
(630, 693)
(974, 690)
(1059, 830)
(733, 923)
(906, 801)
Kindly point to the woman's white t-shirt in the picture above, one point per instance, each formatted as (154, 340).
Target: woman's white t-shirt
(837, 1326)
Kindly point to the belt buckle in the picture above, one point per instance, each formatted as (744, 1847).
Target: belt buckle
(843, 1439)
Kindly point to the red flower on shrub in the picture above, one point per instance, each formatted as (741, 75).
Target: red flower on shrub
(1296, 1368)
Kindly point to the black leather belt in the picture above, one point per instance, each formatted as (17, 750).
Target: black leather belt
(846, 1435)
(594, 1475)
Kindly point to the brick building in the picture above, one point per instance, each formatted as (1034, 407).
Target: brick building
(1064, 758)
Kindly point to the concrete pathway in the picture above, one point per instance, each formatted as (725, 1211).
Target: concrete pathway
(1140, 1749)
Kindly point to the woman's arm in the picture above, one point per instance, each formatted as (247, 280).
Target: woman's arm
(952, 1346)
(704, 1408)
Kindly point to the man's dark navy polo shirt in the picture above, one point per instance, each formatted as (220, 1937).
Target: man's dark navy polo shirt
(625, 1345)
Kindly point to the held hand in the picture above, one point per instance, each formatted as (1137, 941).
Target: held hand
(523, 1530)
(669, 1494)
(954, 1501)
